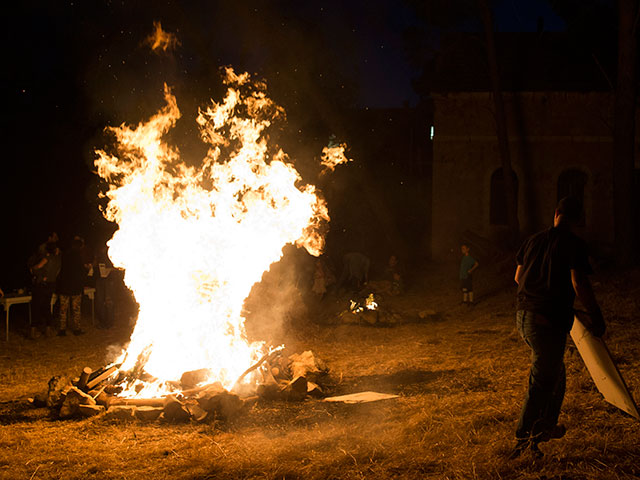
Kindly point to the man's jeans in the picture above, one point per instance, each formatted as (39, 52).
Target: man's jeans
(547, 378)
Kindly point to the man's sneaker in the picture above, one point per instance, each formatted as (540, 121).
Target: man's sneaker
(521, 445)
(537, 453)
(78, 331)
(524, 444)
(62, 333)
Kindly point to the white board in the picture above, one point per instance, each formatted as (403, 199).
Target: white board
(603, 370)
(361, 397)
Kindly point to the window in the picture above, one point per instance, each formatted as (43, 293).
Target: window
(498, 213)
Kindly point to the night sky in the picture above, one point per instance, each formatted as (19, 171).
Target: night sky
(74, 68)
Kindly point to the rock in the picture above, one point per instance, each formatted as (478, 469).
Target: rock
(369, 317)
(90, 410)
(349, 318)
(295, 390)
(40, 400)
(269, 391)
(55, 395)
(307, 365)
(250, 401)
(73, 398)
(222, 404)
(175, 410)
(426, 313)
(314, 390)
(198, 413)
(148, 414)
(121, 412)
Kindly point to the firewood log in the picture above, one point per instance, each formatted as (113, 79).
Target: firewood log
(84, 378)
(102, 377)
(139, 402)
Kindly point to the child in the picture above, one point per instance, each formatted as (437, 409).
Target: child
(467, 266)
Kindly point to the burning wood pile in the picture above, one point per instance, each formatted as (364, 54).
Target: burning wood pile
(293, 378)
(368, 312)
(193, 238)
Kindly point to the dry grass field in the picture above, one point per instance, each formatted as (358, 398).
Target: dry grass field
(460, 376)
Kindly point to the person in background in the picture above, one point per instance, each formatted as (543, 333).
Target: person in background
(468, 265)
(70, 287)
(52, 238)
(355, 271)
(102, 268)
(394, 276)
(552, 268)
(44, 274)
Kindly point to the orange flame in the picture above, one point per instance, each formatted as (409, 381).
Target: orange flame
(333, 156)
(160, 40)
(194, 240)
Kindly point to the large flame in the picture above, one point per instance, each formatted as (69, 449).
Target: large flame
(194, 240)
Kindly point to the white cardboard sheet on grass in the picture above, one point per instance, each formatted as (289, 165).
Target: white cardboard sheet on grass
(361, 397)
(603, 370)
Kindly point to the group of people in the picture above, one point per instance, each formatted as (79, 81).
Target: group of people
(355, 275)
(58, 280)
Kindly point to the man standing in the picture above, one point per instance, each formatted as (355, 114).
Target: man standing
(552, 269)
(71, 280)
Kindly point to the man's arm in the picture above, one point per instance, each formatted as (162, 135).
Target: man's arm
(518, 275)
(582, 287)
(39, 265)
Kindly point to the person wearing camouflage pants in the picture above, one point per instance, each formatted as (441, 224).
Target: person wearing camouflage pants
(73, 320)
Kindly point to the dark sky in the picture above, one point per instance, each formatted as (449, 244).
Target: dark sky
(77, 67)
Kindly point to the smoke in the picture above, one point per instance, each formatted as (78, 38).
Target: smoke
(276, 306)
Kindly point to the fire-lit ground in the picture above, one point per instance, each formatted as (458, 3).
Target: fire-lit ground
(461, 376)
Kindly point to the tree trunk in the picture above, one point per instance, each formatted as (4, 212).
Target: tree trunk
(501, 126)
(624, 133)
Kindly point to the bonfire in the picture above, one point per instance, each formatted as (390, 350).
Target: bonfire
(193, 240)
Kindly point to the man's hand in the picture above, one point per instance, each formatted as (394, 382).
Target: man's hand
(594, 322)
(582, 287)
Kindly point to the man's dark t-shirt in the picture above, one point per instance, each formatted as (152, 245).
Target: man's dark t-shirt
(72, 273)
(545, 287)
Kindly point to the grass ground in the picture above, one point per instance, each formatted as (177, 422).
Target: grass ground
(461, 376)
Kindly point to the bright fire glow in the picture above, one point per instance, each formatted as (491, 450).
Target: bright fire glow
(194, 240)
(369, 303)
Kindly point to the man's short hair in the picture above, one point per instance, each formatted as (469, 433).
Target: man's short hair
(570, 208)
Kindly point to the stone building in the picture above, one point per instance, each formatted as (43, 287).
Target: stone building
(559, 123)
(560, 143)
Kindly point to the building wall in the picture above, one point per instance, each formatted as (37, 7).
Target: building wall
(549, 132)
